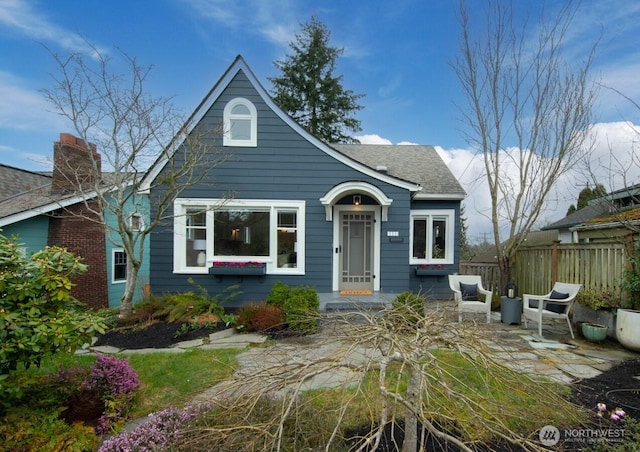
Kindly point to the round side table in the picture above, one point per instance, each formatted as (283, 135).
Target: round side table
(511, 310)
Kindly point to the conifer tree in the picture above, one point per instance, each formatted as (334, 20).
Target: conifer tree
(308, 90)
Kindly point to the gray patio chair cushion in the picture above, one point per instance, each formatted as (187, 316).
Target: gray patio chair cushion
(557, 308)
(469, 291)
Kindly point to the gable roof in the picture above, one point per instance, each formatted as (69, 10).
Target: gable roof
(419, 164)
(583, 215)
(238, 65)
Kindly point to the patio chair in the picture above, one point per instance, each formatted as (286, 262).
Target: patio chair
(554, 305)
(470, 295)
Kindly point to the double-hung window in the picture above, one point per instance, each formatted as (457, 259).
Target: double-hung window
(213, 230)
(432, 236)
(119, 266)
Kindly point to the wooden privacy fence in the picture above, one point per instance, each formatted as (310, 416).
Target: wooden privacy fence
(536, 269)
(592, 265)
(488, 272)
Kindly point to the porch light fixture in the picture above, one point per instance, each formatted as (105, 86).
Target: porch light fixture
(200, 245)
(356, 200)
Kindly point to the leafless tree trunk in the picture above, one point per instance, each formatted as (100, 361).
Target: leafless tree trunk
(131, 130)
(528, 111)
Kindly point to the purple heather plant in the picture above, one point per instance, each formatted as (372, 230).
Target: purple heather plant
(159, 432)
(113, 379)
(112, 376)
(116, 381)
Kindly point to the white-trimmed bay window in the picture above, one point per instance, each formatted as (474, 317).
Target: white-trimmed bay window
(240, 123)
(215, 230)
(432, 236)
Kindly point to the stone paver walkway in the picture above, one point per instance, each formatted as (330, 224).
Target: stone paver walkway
(555, 356)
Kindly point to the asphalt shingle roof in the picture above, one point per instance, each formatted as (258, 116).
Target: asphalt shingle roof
(583, 215)
(420, 164)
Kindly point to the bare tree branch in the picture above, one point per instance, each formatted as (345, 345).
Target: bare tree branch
(527, 111)
(131, 130)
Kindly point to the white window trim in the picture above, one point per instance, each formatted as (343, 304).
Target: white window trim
(253, 117)
(429, 214)
(113, 267)
(210, 205)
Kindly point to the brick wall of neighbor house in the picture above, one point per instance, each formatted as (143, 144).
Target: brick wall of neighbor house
(73, 229)
(77, 227)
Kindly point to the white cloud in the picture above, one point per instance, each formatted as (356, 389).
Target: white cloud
(20, 107)
(615, 160)
(275, 21)
(372, 139)
(19, 15)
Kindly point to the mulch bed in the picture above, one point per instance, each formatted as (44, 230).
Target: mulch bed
(618, 387)
(159, 334)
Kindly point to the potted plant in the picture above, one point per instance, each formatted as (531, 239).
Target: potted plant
(596, 307)
(594, 332)
(628, 322)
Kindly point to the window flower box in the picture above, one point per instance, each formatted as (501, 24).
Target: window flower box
(431, 270)
(238, 269)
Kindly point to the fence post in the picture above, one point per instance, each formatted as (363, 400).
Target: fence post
(554, 262)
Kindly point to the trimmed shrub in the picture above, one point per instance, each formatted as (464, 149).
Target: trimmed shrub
(301, 305)
(243, 320)
(279, 294)
(301, 309)
(266, 318)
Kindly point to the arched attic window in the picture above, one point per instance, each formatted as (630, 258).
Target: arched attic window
(240, 122)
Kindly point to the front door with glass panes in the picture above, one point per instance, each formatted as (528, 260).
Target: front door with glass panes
(356, 251)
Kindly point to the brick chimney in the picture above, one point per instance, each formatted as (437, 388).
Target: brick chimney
(78, 227)
(75, 164)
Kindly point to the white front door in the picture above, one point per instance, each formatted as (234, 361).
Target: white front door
(356, 251)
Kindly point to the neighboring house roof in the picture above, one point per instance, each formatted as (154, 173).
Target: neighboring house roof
(26, 194)
(612, 220)
(580, 216)
(419, 164)
(15, 181)
(238, 65)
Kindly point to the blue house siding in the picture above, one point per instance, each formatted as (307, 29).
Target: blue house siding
(116, 288)
(288, 165)
(31, 233)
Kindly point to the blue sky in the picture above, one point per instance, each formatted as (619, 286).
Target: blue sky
(397, 54)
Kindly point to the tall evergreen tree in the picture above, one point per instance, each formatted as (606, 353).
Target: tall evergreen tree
(586, 195)
(308, 90)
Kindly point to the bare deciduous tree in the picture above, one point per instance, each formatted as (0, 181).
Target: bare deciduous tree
(528, 111)
(436, 377)
(131, 130)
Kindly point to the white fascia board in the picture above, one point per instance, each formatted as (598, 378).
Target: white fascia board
(46, 208)
(438, 197)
